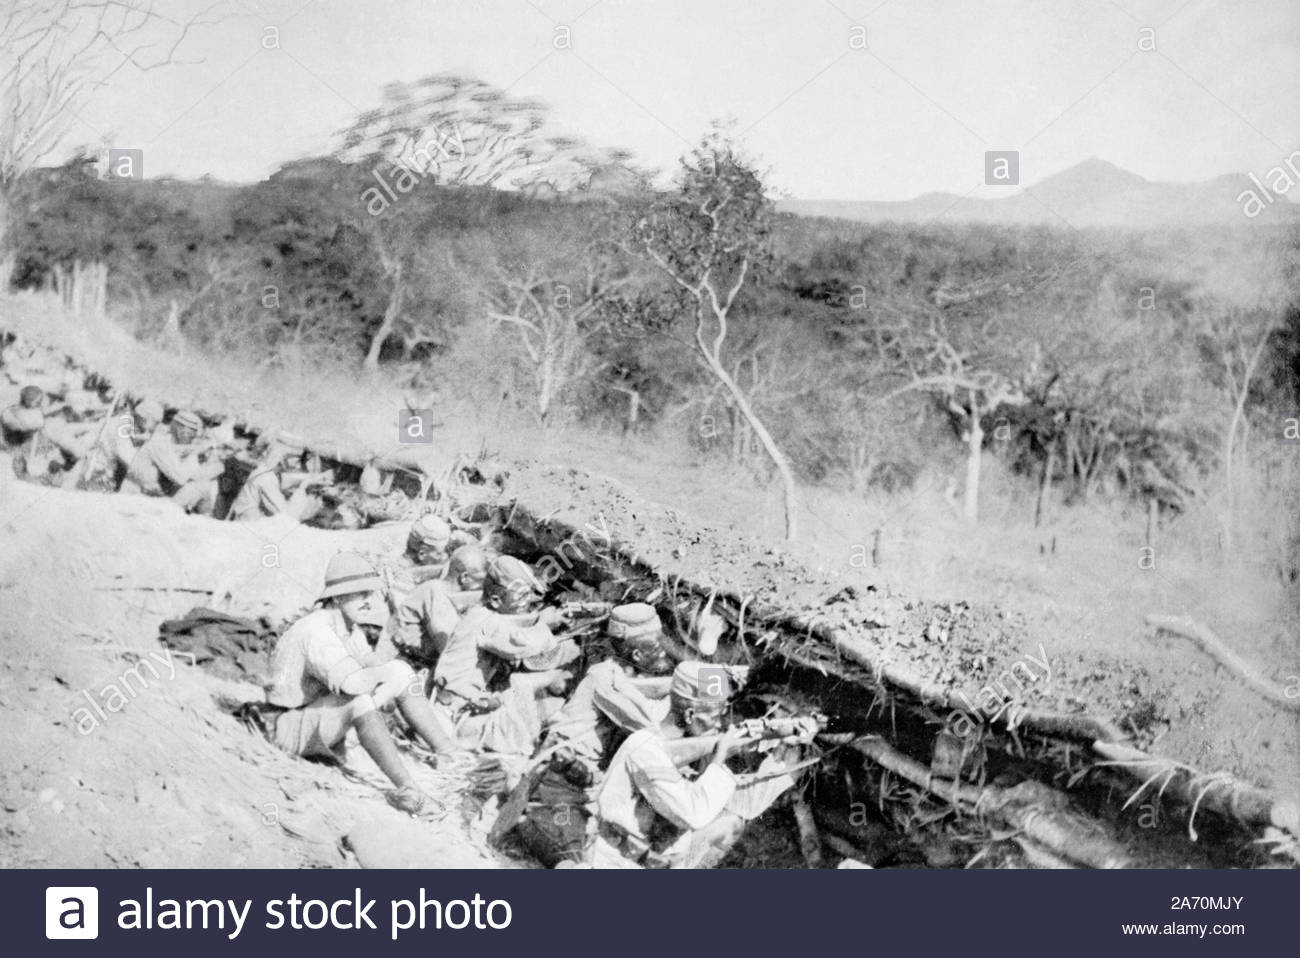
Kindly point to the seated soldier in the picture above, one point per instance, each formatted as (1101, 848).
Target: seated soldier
(168, 464)
(263, 492)
(323, 684)
(427, 617)
(650, 814)
(21, 421)
(504, 631)
(36, 457)
(427, 547)
(622, 694)
(132, 430)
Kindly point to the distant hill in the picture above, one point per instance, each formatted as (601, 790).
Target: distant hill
(1093, 193)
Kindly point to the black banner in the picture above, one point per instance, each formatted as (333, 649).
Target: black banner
(630, 914)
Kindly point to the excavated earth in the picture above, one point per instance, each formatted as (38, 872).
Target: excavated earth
(948, 743)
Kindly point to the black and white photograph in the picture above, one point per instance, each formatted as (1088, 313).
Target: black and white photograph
(651, 434)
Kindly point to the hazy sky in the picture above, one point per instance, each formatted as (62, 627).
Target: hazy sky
(941, 81)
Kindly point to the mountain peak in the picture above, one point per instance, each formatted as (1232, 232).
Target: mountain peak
(1092, 193)
(1094, 176)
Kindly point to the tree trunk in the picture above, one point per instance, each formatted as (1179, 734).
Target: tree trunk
(1230, 441)
(1045, 484)
(633, 411)
(975, 444)
(769, 444)
(386, 327)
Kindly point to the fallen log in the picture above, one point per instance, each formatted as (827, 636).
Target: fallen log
(1219, 794)
(810, 843)
(1230, 660)
(1040, 813)
(846, 850)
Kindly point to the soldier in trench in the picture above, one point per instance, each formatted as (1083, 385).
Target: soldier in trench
(327, 680)
(22, 426)
(620, 694)
(46, 442)
(429, 614)
(486, 647)
(171, 464)
(132, 430)
(653, 811)
(275, 488)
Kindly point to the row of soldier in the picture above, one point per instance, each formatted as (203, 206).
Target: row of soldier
(625, 763)
(75, 440)
(602, 760)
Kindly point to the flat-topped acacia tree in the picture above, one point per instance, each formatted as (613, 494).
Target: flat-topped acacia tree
(712, 238)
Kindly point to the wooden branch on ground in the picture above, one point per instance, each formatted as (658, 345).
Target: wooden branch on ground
(1216, 649)
(810, 843)
(1032, 809)
(1220, 794)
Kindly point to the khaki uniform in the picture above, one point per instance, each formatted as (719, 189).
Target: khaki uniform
(261, 495)
(428, 616)
(607, 692)
(482, 641)
(310, 662)
(163, 467)
(557, 821)
(650, 814)
(18, 424)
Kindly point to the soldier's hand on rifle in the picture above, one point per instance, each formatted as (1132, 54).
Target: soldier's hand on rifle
(551, 617)
(728, 742)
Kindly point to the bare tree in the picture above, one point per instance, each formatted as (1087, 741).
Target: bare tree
(56, 53)
(554, 314)
(965, 371)
(392, 261)
(1235, 340)
(711, 238)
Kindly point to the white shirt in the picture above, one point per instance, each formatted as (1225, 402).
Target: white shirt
(313, 658)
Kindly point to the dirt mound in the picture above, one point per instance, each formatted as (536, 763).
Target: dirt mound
(119, 755)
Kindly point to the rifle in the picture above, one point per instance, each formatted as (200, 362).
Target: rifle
(589, 611)
(83, 470)
(389, 598)
(795, 729)
(478, 706)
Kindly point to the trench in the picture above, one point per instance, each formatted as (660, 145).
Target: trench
(897, 785)
(907, 778)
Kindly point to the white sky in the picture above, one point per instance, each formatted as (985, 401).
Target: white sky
(941, 82)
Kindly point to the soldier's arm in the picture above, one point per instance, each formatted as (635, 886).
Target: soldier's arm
(685, 803)
(515, 643)
(653, 686)
(618, 697)
(170, 465)
(267, 487)
(330, 662)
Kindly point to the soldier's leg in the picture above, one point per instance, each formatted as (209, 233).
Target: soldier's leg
(429, 721)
